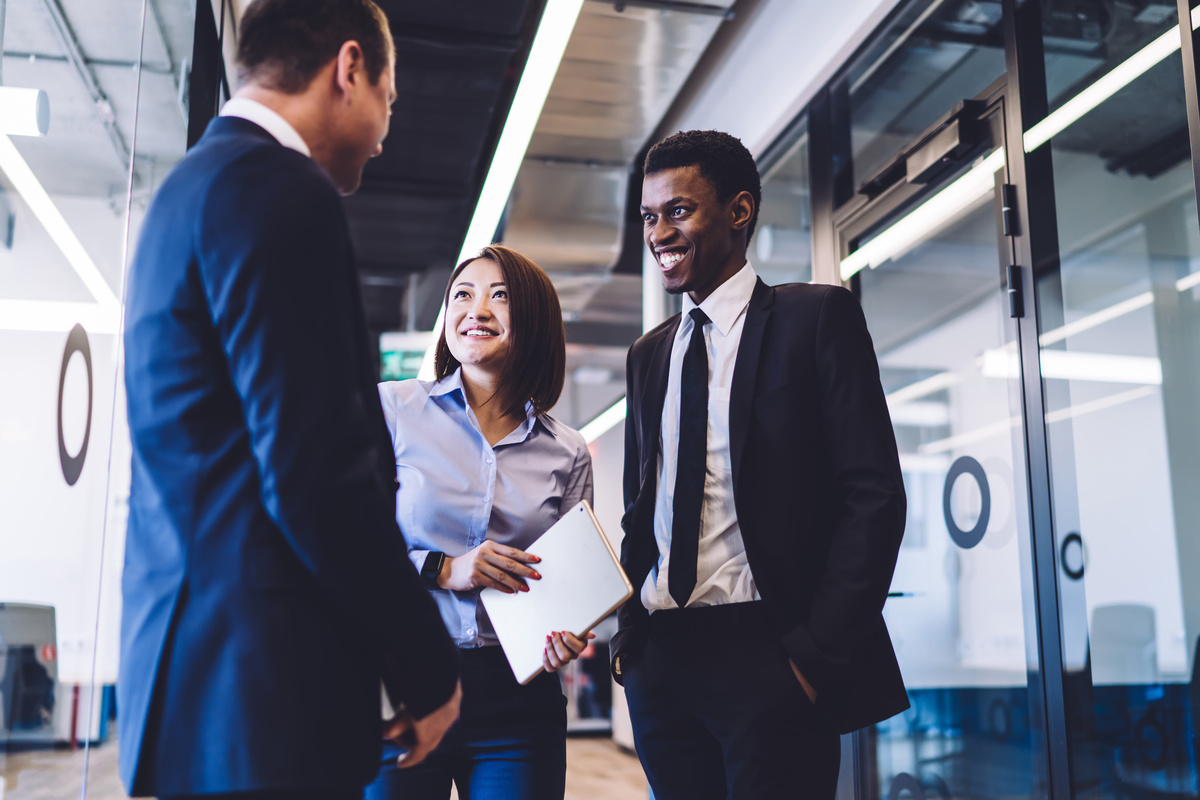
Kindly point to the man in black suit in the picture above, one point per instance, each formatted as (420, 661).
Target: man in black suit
(764, 506)
(267, 590)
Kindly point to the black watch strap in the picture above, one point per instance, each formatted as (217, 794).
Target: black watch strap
(433, 567)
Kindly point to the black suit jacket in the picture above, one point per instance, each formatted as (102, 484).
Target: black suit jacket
(817, 488)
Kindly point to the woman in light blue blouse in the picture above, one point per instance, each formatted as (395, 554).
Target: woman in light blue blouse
(482, 472)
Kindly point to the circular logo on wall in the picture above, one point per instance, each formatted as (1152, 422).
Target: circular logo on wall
(966, 539)
(72, 465)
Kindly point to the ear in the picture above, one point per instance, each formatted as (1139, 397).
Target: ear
(741, 210)
(349, 68)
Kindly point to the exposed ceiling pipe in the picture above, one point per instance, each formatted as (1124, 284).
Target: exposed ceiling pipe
(682, 6)
(161, 27)
(100, 102)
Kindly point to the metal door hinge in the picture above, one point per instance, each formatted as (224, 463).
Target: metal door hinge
(1016, 298)
(1008, 208)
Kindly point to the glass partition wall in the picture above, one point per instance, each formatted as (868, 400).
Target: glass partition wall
(1043, 376)
(115, 74)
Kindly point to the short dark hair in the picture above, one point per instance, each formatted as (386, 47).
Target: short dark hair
(535, 368)
(723, 161)
(283, 44)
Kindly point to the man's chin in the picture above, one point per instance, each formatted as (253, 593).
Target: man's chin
(348, 186)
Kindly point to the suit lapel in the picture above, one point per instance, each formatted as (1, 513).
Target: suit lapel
(745, 373)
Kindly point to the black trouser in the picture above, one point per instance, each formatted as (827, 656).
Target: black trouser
(717, 712)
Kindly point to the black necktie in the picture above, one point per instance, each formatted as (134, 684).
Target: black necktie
(690, 463)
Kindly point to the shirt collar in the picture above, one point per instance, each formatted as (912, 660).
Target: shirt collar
(267, 119)
(728, 300)
(453, 383)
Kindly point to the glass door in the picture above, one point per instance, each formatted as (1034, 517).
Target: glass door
(1119, 337)
(927, 256)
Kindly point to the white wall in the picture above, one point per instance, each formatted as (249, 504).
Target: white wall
(768, 63)
(52, 547)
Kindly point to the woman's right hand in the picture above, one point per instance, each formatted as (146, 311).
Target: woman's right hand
(493, 565)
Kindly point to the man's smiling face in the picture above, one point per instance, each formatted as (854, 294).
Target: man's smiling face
(696, 239)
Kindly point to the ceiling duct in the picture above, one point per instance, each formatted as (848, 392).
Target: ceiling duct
(624, 65)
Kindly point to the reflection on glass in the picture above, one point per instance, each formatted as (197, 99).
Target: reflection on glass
(932, 56)
(960, 614)
(64, 199)
(782, 247)
(1120, 339)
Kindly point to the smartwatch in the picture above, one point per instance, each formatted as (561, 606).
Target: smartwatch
(433, 567)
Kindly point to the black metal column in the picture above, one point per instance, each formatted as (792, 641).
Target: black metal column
(1036, 253)
(205, 80)
(1187, 38)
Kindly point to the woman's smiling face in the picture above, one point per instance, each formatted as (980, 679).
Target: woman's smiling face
(477, 321)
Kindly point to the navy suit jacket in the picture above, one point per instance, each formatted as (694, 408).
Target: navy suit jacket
(816, 485)
(266, 587)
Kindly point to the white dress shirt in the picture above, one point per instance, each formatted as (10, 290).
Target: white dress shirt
(268, 120)
(722, 572)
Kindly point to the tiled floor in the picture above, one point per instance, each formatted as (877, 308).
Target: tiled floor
(596, 770)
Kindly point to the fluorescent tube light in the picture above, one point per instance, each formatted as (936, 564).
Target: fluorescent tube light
(1191, 281)
(1092, 406)
(1070, 365)
(1121, 76)
(549, 44)
(935, 383)
(1143, 300)
(947, 205)
(934, 464)
(24, 112)
(1098, 318)
(970, 437)
(608, 419)
(39, 202)
(997, 428)
(47, 316)
(921, 414)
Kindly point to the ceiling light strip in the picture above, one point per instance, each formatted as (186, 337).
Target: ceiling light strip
(948, 204)
(1098, 318)
(1121, 76)
(1190, 282)
(549, 44)
(997, 428)
(39, 202)
(48, 316)
(608, 419)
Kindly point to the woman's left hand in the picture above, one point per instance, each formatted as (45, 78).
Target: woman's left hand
(562, 648)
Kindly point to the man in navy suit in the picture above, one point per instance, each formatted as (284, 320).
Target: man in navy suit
(266, 588)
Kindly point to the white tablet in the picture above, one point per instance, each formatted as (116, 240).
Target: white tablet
(582, 583)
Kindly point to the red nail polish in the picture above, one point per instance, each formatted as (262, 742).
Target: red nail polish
(537, 576)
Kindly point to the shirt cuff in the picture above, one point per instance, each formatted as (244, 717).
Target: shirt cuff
(417, 557)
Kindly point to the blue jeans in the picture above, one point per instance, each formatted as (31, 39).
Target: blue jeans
(510, 742)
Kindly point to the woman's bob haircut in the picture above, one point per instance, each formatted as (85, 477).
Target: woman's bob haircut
(535, 367)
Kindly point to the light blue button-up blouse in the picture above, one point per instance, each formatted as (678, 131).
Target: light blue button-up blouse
(454, 490)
